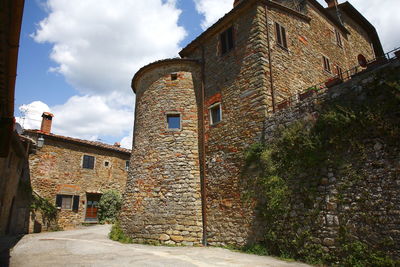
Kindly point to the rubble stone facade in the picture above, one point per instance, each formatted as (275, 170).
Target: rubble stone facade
(57, 169)
(246, 74)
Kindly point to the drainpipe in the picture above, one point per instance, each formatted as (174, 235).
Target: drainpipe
(203, 149)
(270, 60)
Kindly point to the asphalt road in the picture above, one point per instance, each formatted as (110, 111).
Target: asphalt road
(91, 247)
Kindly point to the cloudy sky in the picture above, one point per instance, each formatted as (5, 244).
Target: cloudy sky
(77, 57)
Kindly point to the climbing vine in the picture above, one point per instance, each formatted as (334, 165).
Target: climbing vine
(285, 173)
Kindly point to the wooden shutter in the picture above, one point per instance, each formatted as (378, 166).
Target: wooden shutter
(59, 201)
(75, 206)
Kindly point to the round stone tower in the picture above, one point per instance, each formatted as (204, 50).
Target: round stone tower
(162, 201)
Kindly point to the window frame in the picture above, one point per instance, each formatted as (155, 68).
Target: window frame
(127, 164)
(74, 202)
(175, 114)
(326, 64)
(83, 162)
(338, 38)
(281, 35)
(338, 71)
(210, 108)
(227, 40)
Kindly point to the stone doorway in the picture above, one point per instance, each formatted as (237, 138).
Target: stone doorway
(92, 207)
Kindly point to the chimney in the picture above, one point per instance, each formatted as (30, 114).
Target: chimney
(236, 2)
(331, 3)
(46, 122)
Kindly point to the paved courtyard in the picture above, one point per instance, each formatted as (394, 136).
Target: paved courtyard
(91, 247)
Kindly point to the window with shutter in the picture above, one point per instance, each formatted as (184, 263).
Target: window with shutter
(327, 66)
(281, 39)
(75, 206)
(88, 162)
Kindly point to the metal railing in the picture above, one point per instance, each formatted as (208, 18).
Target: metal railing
(338, 79)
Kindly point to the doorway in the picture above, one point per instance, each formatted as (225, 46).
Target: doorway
(92, 207)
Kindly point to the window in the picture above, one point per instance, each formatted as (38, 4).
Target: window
(280, 35)
(174, 76)
(339, 72)
(227, 43)
(215, 113)
(67, 202)
(127, 165)
(338, 38)
(88, 162)
(174, 121)
(106, 163)
(327, 66)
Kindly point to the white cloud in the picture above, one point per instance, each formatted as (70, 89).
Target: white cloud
(212, 10)
(99, 51)
(126, 142)
(98, 46)
(32, 114)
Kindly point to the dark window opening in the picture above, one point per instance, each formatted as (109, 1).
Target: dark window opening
(338, 38)
(174, 121)
(88, 162)
(215, 113)
(127, 165)
(327, 66)
(174, 76)
(281, 35)
(106, 163)
(227, 43)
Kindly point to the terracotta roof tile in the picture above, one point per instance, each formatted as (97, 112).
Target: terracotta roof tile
(81, 141)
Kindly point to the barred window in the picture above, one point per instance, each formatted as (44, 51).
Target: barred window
(227, 43)
(88, 162)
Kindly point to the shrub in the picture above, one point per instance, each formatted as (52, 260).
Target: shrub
(117, 234)
(109, 206)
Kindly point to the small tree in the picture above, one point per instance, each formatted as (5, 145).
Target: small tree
(109, 206)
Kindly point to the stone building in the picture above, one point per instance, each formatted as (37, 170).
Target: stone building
(73, 173)
(196, 115)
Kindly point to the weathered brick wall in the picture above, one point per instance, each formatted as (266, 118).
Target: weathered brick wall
(11, 173)
(56, 168)
(366, 203)
(301, 65)
(162, 203)
(237, 80)
(240, 81)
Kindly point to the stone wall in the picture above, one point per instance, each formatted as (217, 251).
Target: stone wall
(162, 203)
(240, 81)
(14, 185)
(360, 196)
(56, 168)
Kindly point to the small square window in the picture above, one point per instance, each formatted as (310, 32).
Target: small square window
(106, 163)
(88, 162)
(174, 121)
(215, 113)
(174, 76)
(327, 65)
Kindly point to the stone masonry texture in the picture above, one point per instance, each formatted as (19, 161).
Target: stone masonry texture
(240, 80)
(163, 199)
(56, 168)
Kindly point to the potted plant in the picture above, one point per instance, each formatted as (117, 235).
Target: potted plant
(307, 93)
(333, 81)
